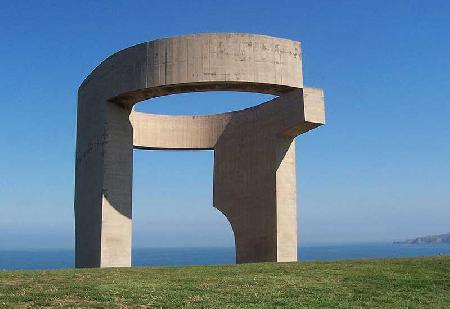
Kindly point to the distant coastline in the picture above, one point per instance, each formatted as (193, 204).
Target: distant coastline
(433, 239)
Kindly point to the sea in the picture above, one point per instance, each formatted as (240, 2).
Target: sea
(64, 258)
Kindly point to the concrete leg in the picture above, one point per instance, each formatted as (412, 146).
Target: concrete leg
(103, 187)
(254, 186)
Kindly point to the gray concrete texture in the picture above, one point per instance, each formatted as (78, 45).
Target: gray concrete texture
(254, 149)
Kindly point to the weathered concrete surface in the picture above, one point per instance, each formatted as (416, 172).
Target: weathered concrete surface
(254, 162)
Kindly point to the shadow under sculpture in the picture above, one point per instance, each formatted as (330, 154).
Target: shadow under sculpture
(254, 149)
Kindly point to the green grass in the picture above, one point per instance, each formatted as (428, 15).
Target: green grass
(383, 283)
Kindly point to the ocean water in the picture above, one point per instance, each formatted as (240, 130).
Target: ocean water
(57, 259)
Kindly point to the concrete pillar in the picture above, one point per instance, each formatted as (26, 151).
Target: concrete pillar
(255, 181)
(103, 190)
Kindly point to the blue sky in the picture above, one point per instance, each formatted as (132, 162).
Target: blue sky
(378, 171)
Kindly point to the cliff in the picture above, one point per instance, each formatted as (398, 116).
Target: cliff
(434, 239)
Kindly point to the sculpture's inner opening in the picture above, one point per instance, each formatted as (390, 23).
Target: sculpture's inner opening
(174, 221)
(202, 103)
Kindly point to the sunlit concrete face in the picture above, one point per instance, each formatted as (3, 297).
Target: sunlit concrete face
(254, 149)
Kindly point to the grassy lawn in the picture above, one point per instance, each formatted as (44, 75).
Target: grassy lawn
(383, 283)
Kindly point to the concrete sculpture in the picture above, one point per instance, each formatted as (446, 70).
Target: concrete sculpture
(254, 149)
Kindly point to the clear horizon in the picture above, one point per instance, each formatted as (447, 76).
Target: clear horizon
(378, 171)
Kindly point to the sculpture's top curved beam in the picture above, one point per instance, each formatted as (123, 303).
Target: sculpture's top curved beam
(198, 62)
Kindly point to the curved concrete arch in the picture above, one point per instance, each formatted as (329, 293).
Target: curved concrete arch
(198, 62)
(254, 153)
